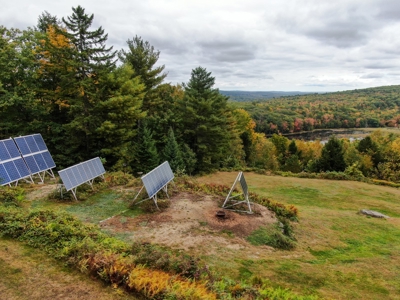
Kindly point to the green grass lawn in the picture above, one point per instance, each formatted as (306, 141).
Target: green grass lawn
(340, 254)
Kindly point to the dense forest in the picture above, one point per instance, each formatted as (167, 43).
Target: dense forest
(246, 96)
(373, 107)
(60, 79)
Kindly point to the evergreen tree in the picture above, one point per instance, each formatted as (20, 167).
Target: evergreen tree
(120, 114)
(146, 155)
(46, 20)
(280, 142)
(332, 157)
(143, 57)
(292, 148)
(172, 153)
(89, 62)
(368, 146)
(206, 123)
(189, 159)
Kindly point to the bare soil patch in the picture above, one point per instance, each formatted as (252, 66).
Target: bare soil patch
(190, 223)
(41, 191)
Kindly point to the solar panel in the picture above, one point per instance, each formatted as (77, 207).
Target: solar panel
(157, 178)
(230, 201)
(12, 166)
(84, 172)
(35, 153)
(243, 183)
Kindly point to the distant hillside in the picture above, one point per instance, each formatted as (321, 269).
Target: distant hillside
(372, 107)
(243, 96)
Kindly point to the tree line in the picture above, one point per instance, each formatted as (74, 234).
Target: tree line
(60, 79)
(373, 107)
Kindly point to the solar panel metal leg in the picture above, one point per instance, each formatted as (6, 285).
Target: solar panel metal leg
(74, 193)
(40, 176)
(90, 182)
(155, 201)
(165, 189)
(50, 172)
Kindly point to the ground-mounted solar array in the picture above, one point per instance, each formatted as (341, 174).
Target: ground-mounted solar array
(84, 172)
(35, 153)
(12, 165)
(157, 178)
(230, 201)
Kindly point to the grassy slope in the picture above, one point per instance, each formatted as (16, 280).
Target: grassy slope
(27, 273)
(340, 254)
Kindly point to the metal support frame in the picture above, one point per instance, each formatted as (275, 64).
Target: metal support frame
(229, 202)
(42, 174)
(164, 188)
(73, 190)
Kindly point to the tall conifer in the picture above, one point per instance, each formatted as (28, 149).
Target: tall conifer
(206, 119)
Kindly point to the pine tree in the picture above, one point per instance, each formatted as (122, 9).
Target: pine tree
(142, 57)
(146, 155)
(207, 126)
(120, 114)
(88, 63)
(172, 153)
(332, 157)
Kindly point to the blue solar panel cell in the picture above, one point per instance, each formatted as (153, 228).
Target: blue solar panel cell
(4, 155)
(4, 178)
(31, 144)
(48, 159)
(100, 165)
(39, 141)
(95, 165)
(12, 148)
(22, 145)
(72, 178)
(21, 167)
(12, 171)
(90, 169)
(32, 165)
(81, 171)
(40, 162)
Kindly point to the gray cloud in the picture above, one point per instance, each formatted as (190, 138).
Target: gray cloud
(304, 45)
(372, 76)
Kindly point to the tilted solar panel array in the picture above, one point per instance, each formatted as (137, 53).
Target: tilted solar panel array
(157, 178)
(35, 153)
(83, 172)
(243, 183)
(12, 165)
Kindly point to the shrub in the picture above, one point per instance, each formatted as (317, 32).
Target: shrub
(11, 196)
(120, 178)
(273, 236)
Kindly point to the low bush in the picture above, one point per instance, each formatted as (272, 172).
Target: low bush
(274, 236)
(86, 247)
(120, 179)
(11, 196)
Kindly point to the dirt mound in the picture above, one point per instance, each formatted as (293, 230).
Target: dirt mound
(191, 222)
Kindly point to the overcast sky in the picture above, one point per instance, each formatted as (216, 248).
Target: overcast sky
(254, 45)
